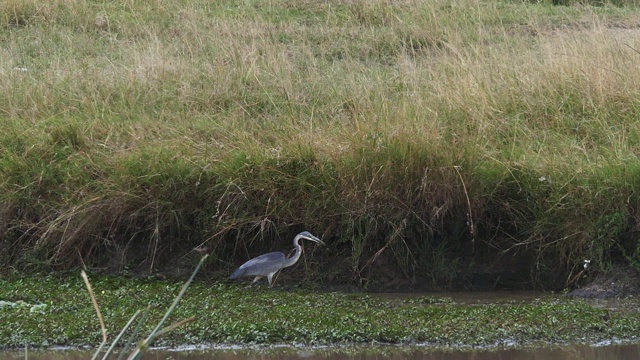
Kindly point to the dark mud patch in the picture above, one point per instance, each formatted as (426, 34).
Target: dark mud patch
(621, 281)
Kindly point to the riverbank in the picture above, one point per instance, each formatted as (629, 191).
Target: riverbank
(456, 143)
(48, 311)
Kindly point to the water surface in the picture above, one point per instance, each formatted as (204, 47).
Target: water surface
(569, 352)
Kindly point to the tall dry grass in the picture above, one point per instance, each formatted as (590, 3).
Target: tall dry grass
(419, 136)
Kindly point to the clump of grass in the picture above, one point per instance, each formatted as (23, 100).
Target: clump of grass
(411, 134)
(158, 331)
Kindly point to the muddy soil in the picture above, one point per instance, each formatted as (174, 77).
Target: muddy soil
(621, 281)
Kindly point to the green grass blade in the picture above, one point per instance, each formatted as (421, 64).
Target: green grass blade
(135, 332)
(149, 340)
(113, 344)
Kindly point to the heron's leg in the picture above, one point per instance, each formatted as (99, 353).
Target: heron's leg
(256, 279)
(270, 277)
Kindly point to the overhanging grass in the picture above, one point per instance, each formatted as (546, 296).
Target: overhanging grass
(444, 134)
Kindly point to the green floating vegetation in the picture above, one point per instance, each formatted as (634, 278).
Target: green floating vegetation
(233, 314)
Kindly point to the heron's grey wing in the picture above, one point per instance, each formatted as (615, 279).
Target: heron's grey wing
(260, 266)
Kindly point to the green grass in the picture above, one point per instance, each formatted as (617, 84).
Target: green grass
(139, 131)
(235, 315)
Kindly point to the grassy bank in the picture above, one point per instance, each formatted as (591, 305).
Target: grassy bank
(422, 140)
(58, 311)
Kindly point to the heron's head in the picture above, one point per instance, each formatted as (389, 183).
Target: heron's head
(309, 236)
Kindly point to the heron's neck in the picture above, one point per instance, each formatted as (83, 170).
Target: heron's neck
(292, 260)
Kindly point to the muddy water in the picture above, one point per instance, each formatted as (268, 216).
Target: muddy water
(473, 297)
(571, 352)
(629, 304)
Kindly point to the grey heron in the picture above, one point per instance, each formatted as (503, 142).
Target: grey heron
(269, 264)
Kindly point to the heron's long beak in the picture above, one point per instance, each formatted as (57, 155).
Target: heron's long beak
(317, 240)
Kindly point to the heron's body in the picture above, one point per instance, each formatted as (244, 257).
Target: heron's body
(269, 264)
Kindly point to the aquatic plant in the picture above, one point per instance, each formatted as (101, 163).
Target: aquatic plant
(231, 314)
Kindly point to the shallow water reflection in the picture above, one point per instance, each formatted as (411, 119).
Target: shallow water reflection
(570, 352)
